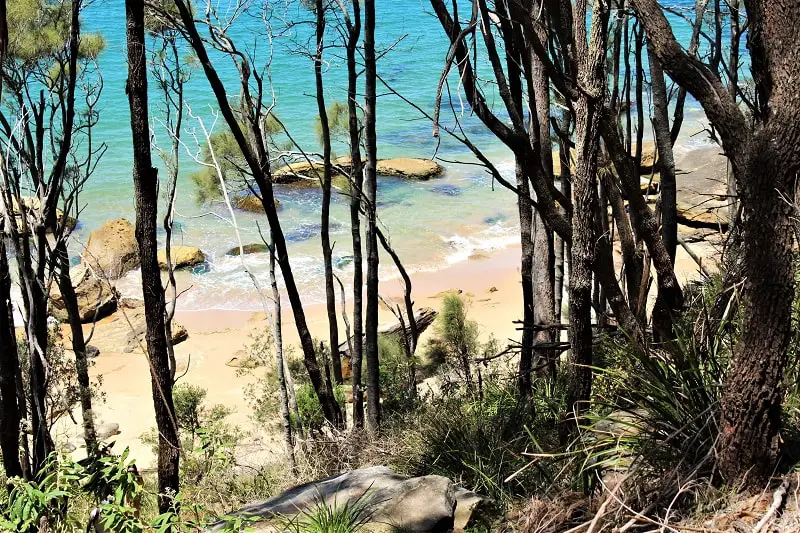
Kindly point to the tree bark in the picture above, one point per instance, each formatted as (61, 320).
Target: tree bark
(765, 163)
(145, 180)
(588, 109)
(9, 370)
(78, 348)
(356, 193)
(370, 189)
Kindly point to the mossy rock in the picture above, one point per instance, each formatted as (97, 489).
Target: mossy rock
(251, 203)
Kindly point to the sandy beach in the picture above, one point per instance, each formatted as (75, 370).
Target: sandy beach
(489, 282)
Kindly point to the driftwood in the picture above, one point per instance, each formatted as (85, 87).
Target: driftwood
(423, 316)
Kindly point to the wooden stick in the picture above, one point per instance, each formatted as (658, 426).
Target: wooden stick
(777, 500)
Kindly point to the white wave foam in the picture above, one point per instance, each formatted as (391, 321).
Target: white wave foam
(496, 237)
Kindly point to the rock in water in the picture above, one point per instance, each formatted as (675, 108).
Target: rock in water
(97, 298)
(112, 249)
(182, 257)
(393, 502)
(406, 167)
(251, 203)
(254, 248)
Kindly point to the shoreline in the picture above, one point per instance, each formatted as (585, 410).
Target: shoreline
(488, 280)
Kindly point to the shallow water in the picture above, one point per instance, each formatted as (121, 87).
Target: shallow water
(431, 224)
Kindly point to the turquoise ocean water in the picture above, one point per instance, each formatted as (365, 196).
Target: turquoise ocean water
(431, 224)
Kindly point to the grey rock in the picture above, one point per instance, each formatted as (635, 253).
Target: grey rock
(394, 502)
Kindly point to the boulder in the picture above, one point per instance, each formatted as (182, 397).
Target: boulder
(182, 257)
(406, 167)
(253, 248)
(251, 203)
(392, 502)
(107, 430)
(97, 298)
(112, 249)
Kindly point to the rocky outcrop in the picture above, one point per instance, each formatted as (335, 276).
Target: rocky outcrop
(406, 167)
(112, 249)
(702, 189)
(96, 297)
(182, 257)
(310, 173)
(391, 502)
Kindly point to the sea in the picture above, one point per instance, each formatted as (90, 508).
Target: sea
(431, 224)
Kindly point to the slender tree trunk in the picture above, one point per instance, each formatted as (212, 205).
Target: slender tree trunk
(78, 348)
(9, 368)
(327, 251)
(525, 210)
(588, 109)
(145, 180)
(356, 194)
(543, 275)
(370, 186)
(666, 165)
(280, 364)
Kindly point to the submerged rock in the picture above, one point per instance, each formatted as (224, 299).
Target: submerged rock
(112, 249)
(253, 248)
(392, 502)
(447, 190)
(97, 298)
(182, 257)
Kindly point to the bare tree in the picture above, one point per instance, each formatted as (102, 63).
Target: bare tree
(253, 145)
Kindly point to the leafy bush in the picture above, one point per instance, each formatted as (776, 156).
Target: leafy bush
(397, 391)
(190, 410)
(480, 442)
(309, 408)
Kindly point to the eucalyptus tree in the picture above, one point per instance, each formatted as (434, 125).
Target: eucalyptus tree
(761, 146)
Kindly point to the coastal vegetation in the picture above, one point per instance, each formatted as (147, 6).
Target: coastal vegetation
(605, 387)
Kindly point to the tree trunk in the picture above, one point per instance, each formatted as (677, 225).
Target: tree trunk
(145, 180)
(356, 194)
(327, 251)
(9, 370)
(588, 108)
(765, 162)
(370, 186)
(525, 210)
(78, 348)
(280, 364)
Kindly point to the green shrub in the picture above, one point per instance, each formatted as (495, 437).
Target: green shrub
(190, 410)
(397, 392)
(309, 408)
(480, 442)
(351, 516)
